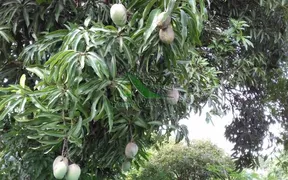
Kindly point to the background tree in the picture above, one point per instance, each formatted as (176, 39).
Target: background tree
(276, 167)
(201, 160)
(253, 80)
(204, 160)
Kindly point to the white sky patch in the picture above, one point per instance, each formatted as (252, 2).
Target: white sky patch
(199, 129)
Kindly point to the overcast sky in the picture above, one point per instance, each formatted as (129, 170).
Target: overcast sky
(201, 130)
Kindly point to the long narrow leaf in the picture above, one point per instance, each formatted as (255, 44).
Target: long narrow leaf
(142, 88)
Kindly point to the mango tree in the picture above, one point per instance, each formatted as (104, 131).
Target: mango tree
(82, 79)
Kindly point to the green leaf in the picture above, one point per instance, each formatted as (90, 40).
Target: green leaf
(193, 5)
(151, 24)
(157, 123)
(50, 142)
(124, 131)
(148, 8)
(109, 113)
(22, 105)
(41, 73)
(42, 1)
(140, 122)
(179, 136)
(118, 128)
(113, 67)
(144, 91)
(38, 104)
(26, 17)
(87, 21)
(57, 57)
(171, 6)
(76, 41)
(184, 21)
(128, 53)
(57, 34)
(10, 108)
(54, 133)
(22, 80)
(93, 107)
(98, 64)
(78, 128)
(208, 118)
(8, 99)
(34, 137)
(59, 9)
(49, 115)
(4, 33)
(69, 39)
(22, 119)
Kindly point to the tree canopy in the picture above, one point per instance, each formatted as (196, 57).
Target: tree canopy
(201, 160)
(254, 80)
(74, 83)
(204, 160)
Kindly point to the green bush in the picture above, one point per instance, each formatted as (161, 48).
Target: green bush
(201, 160)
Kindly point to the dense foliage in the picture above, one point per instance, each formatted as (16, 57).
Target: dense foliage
(74, 83)
(275, 168)
(84, 89)
(253, 80)
(204, 160)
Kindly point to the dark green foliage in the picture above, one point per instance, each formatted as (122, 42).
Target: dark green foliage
(253, 80)
(202, 160)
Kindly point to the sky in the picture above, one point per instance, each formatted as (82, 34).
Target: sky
(201, 130)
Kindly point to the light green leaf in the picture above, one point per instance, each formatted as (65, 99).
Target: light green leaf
(57, 34)
(54, 133)
(59, 9)
(98, 64)
(151, 24)
(171, 6)
(193, 5)
(128, 54)
(22, 80)
(10, 108)
(113, 67)
(78, 128)
(22, 119)
(38, 71)
(57, 57)
(148, 8)
(76, 41)
(69, 39)
(122, 94)
(26, 17)
(50, 142)
(157, 123)
(184, 21)
(87, 21)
